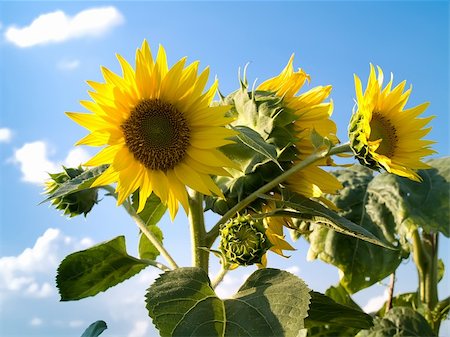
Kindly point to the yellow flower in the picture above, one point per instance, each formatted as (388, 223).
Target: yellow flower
(312, 113)
(385, 135)
(159, 131)
(274, 229)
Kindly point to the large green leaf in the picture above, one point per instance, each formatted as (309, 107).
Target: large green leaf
(270, 303)
(337, 315)
(362, 263)
(95, 329)
(399, 322)
(325, 311)
(417, 204)
(88, 272)
(79, 183)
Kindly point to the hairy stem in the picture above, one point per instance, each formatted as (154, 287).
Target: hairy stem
(200, 257)
(391, 293)
(214, 232)
(142, 226)
(219, 277)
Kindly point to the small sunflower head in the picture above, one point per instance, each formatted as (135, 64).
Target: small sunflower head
(72, 204)
(385, 135)
(243, 241)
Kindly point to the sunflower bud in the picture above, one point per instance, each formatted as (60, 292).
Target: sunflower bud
(243, 241)
(75, 203)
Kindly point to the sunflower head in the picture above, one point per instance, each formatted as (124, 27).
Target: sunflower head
(243, 241)
(73, 204)
(282, 123)
(158, 130)
(385, 135)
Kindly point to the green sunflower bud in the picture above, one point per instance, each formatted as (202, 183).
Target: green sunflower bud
(73, 204)
(358, 142)
(263, 119)
(243, 241)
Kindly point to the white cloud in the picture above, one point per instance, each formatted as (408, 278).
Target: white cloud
(77, 323)
(36, 321)
(375, 303)
(293, 270)
(68, 64)
(5, 135)
(22, 274)
(35, 164)
(57, 26)
(139, 329)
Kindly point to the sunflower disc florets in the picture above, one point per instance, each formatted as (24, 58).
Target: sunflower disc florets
(243, 241)
(72, 204)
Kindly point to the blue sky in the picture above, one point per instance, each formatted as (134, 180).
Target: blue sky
(43, 75)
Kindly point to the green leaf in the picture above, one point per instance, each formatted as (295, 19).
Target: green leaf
(146, 249)
(153, 210)
(409, 300)
(441, 269)
(82, 182)
(341, 296)
(95, 329)
(88, 272)
(417, 204)
(362, 263)
(270, 303)
(323, 310)
(254, 141)
(399, 322)
(314, 212)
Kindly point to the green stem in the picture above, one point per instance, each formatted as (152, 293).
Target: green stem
(156, 264)
(431, 277)
(421, 261)
(142, 226)
(219, 277)
(425, 255)
(200, 257)
(214, 232)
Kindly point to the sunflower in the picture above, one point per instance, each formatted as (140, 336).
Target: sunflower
(159, 131)
(312, 113)
(385, 135)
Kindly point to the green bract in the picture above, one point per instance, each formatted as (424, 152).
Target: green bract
(243, 241)
(263, 149)
(75, 203)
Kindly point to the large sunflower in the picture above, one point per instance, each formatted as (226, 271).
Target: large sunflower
(385, 135)
(159, 131)
(312, 113)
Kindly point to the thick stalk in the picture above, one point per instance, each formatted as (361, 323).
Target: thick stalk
(200, 257)
(425, 254)
(214, 232)
(431, 277)
(421, 261)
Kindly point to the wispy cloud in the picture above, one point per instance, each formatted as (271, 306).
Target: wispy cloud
(36, 321)
(68, 64)
(5, 135)
(57, 26)
(33, 160)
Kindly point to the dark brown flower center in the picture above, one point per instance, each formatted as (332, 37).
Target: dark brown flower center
(157, 134)
(382, 128)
